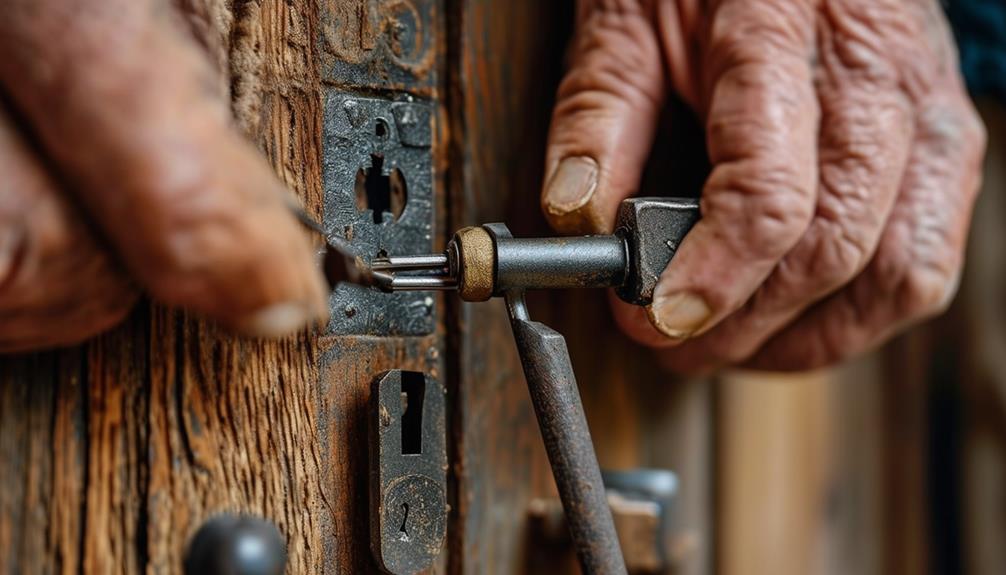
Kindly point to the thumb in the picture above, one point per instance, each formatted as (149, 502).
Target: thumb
(124, 105)
(605, 116)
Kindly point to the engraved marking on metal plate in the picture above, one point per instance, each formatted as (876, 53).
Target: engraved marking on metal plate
(381, 44)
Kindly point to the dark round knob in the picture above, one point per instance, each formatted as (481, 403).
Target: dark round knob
(229, 545)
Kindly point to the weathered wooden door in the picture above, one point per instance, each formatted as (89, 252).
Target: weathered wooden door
(114, 453)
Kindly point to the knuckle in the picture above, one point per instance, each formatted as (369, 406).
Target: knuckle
(926, 292)
(918, 290)
(192, 238)
(954, 129)
(616, 53)
(739, 35)
(837, 256)
(842, 258)
(762, 212)
(188, 256)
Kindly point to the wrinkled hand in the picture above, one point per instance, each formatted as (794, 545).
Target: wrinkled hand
(845, 158)
(123, 171)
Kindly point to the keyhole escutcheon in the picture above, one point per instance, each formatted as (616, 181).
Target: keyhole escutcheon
(403, 532)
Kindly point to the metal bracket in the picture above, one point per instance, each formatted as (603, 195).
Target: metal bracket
(374, 146)
(408, 457)
(642, 502)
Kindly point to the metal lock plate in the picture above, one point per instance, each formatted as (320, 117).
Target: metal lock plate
(408, 477)
(378, 186)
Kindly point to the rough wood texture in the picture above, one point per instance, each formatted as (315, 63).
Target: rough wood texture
(113, 453)
(773, 466)
(116, 452)
(498, 112)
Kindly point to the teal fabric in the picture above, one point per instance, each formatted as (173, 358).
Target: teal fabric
(980, 29)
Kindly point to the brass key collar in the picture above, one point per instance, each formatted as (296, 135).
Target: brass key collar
(472, 258)
(485, 265)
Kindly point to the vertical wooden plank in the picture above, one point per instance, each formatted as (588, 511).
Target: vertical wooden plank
(42, 453)
(853, 506)
(984, 376)
(358, 54)
(772, 472)
(903, 431)
(504, 65)
(119, 450)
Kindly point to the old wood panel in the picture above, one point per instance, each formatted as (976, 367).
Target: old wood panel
(116, 452)
(504, 61)
(773, 437)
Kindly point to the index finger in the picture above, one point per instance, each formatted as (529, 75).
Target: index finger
(762, 123)
(125, 104)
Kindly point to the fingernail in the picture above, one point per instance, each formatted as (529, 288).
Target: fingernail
(277, 320)
(571, 186)
(680, 315)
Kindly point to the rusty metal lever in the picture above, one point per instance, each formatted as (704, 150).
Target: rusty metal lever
(563, 424)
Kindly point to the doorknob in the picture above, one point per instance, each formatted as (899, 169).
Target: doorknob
(236, 545)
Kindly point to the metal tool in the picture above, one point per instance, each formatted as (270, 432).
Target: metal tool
(480, 263)
(487, 261)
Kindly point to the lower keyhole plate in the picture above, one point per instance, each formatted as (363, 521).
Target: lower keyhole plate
(408, 476)
(416, 513)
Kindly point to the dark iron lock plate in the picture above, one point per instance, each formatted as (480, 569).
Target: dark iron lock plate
(408, 473)
(378, 194)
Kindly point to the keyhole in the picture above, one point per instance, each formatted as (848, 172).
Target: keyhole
(403, 533)
(413, 394)
(378, 192)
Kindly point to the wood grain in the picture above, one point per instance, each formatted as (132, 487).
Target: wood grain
(503, 67)
(117, 451)
(114, 453)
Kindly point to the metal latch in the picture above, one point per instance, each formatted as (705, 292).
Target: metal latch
(642, 503)
(408, 476)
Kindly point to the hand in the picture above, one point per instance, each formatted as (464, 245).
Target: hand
(121, 170)
(845, 156)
